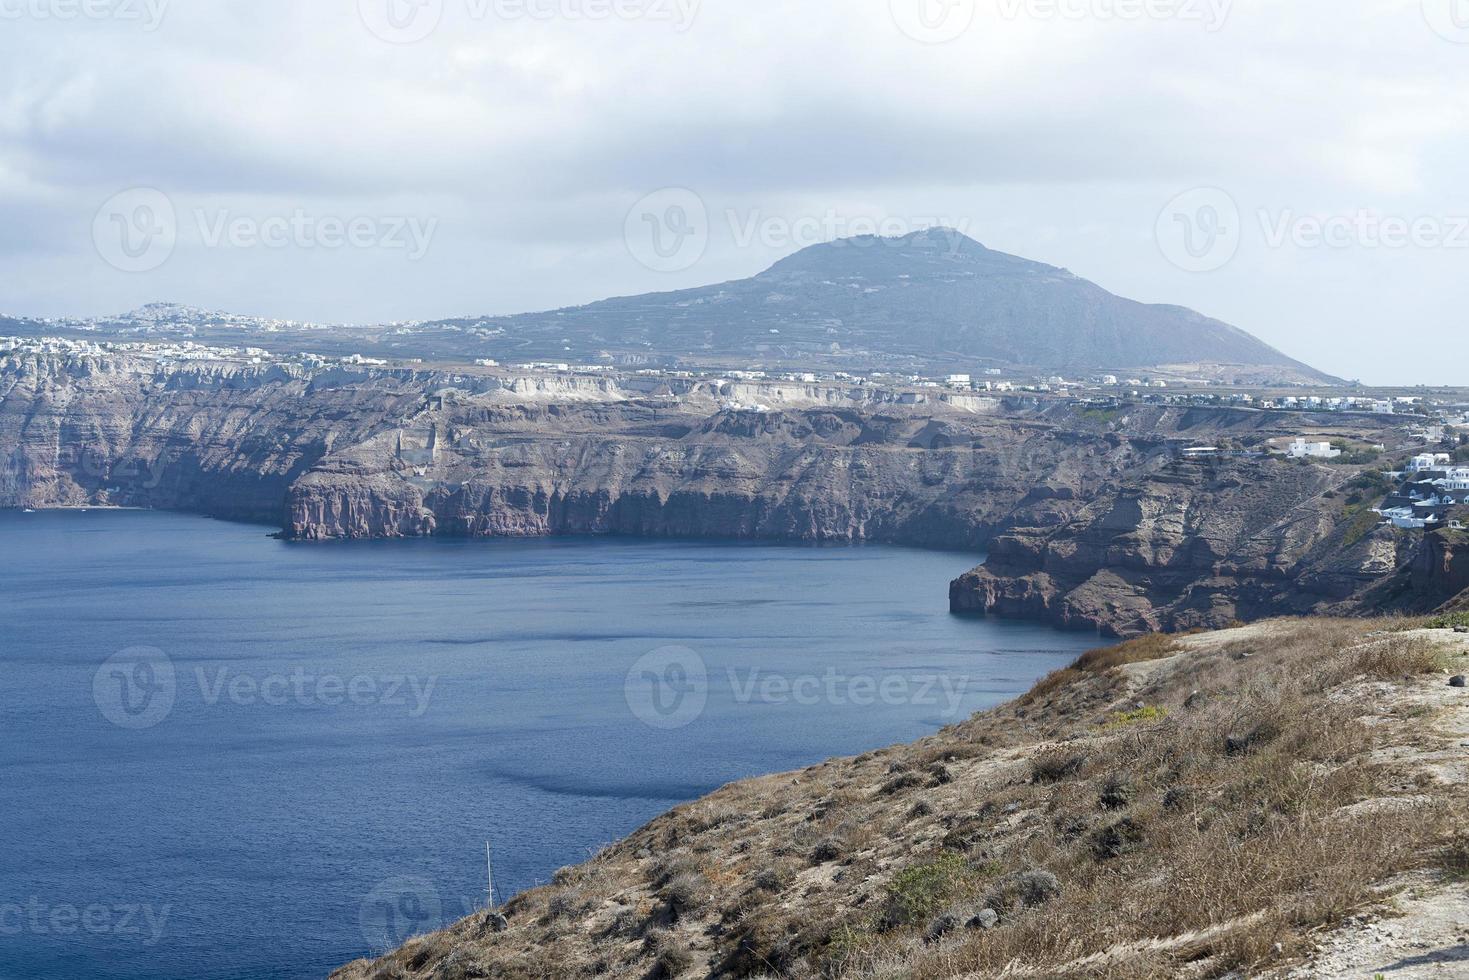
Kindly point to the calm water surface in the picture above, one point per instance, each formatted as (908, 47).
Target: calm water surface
(224, 756)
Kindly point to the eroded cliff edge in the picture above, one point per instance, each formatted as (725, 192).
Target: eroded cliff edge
(1092, 518)
(1191, 544)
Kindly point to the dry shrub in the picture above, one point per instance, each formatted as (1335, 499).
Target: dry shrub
(1397, 657)
(1054, 765)
(1154, 646)
(1098, 662)
(671, 955)
(688, 893)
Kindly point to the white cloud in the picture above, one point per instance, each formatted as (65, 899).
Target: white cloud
(528, 138)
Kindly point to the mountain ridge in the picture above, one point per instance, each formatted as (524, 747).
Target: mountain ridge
(934, 301)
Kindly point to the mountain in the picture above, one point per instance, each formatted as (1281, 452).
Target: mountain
(935, 301)
(935, 298)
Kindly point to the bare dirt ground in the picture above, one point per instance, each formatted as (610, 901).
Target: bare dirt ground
(1420, 929)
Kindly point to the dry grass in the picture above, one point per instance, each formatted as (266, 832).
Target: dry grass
(1154, 646)
(1128, 819)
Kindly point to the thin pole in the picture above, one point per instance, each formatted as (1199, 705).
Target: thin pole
(489, 876)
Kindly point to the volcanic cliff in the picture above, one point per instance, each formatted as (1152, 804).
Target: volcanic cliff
(1092, 518)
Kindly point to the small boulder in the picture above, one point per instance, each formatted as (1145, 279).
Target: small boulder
(1022, 890)
(1459, 681)
(494, 922)
(941, 926)
(986, 919)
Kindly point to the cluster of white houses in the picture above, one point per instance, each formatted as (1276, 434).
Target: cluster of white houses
(1432, 486)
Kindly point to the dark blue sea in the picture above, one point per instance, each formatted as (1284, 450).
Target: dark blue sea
(225, 756)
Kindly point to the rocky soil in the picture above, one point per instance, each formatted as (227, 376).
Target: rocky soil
(1280, 799)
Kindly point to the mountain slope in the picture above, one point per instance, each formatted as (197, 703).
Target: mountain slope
(935, 301)
(935, 297)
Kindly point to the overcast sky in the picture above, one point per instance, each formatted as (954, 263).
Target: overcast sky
(1295, 167)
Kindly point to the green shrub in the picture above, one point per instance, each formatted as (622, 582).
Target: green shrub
(1140, 716)
(918, 893)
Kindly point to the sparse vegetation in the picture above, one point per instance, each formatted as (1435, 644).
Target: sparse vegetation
(1201, 814)
(1137, 716)
(917, 893)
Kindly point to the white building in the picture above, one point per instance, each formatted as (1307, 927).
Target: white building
(1429, 461)
(1301, 449)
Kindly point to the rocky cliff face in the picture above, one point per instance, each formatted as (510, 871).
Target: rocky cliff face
(1092, 519)
(815, 475)
(1439, 571)
(1188, 544)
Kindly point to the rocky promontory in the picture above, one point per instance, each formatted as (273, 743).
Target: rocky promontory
(1194, 543)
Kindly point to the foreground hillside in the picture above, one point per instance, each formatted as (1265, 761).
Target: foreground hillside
(1287, 796)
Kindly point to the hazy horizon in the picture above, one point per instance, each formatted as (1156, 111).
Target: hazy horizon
(1290, 169)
